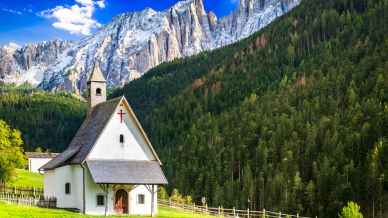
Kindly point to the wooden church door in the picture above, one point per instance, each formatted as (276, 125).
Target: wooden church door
(121, 202)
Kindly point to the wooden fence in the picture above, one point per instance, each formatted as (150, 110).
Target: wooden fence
(21, 191)
(29, 201)
(26, 196)
(34, 197)
(224, 212)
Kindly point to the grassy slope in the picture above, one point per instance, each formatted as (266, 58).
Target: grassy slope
(24, 178)
(14, 211)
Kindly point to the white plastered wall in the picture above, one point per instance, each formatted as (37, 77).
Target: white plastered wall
(91, 192)
(108, 145)
(93, 189)
(49, 184)
(142, 209)
(54, 186)
(35, 163)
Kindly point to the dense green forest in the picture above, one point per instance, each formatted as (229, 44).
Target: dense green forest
(294, 118)
(46, 120)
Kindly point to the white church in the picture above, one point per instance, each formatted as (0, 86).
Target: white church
(110, 166)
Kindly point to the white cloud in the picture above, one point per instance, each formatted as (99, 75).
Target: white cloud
(76, 19)
(85, 2)
(12, 11)
(29, 10)
(101, 4)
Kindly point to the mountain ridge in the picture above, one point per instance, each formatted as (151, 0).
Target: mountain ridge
(134, 42)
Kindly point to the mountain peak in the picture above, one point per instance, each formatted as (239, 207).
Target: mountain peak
(183, 5)
(11, 47)
(134, 42)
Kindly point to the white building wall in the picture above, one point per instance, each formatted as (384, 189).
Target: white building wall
(108, 145)
(142, 209)
(77, 188)
(92, 190)
(54, 185)
(49, 184)
(35, 163)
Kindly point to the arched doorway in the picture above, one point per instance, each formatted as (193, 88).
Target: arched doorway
(121, 201)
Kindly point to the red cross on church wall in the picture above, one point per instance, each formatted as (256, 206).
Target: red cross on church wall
(121, 113)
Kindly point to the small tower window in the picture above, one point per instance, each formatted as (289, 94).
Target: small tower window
(121, 138)
(67, 188)
(98, 92)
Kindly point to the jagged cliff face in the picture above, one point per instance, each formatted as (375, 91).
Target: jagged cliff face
(251, 15)
(28, 63)
(132, 43)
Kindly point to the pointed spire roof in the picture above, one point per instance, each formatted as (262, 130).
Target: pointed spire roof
(87, 135)
(96, 75)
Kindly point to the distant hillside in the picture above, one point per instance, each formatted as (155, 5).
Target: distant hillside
(45, 120)
(294, 118)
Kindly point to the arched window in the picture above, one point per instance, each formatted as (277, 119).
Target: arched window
(121, 138)
(98, 91)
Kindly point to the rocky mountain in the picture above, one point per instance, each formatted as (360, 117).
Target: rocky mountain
(28, 63)
(134, 42)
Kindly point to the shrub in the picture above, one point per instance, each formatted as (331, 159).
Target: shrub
(352, 210)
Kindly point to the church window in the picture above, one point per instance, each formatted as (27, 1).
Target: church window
(98, 91)
(100, 200)
(140, 199)
(67, 188)
(121, 138)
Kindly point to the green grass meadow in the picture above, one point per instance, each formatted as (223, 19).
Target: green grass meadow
(28, 179)
(24, 178)
(17, 211)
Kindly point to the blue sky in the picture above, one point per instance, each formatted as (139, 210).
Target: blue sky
(25, 21)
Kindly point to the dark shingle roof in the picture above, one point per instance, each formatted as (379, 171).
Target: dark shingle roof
(86, 135)
(126, 172)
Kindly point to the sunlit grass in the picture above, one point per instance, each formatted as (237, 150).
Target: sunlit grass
(16, 211)
(24, 178)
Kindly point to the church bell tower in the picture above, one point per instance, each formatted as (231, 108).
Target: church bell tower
(96, 87)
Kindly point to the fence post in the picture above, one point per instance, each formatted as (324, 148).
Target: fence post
(206, 208)
(264, 212)
(234, 212)
(193, 208)
(219, 210)
(248, 212)
(297, 215)
(280, 214)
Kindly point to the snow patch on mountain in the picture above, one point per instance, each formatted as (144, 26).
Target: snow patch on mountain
(134, 42)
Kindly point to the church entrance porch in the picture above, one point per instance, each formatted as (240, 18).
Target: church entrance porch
(132, 192)
(121, 202)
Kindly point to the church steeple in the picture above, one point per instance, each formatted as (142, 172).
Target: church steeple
(96, 87)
